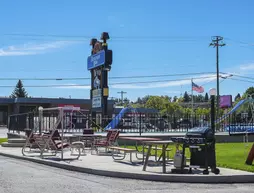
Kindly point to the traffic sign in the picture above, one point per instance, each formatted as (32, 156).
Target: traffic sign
(96, 60)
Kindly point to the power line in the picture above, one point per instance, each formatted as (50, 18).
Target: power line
(246, 77)
(237, 79)
(122, 83)
(112, 37)
(114, 77)
(241, 42)
(117, 83)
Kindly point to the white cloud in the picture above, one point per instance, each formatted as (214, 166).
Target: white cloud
(172, 83)
(173, 92)
(33, 49)
(243, 69)
(247, 67)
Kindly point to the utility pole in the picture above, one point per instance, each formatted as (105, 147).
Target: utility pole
(122, 93)
(217, 42)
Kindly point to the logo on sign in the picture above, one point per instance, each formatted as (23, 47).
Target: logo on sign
(96, 60)
(97, 79)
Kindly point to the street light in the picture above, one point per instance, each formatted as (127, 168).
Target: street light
(40, 108)
(212, 93)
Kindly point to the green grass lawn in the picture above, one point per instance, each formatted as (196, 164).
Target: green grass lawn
(3, 140)
(228, 155)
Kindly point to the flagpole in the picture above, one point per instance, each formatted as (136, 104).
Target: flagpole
(191, 103)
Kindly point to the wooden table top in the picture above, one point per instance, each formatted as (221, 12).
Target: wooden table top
(161, 142)
(140, 138)
(87, 135)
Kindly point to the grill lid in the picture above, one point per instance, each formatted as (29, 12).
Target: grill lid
(202, 132)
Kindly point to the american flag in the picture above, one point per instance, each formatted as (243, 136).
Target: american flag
(197, 88)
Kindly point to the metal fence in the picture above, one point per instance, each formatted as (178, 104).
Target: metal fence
(129, 123)
(237, 123)
(73, 122)
(155, 122)
(76, 122)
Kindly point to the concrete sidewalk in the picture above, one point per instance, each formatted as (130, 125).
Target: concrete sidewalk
(106, 166)
(3, 132)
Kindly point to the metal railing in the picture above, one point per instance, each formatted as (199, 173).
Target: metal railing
(73, 121)
(129, 123)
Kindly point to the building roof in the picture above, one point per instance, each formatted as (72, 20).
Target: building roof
(46, 101)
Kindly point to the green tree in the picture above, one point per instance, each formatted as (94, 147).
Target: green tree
(19, 91)
(199, 98)
(155, 102)
(249, 92)
(175, 99)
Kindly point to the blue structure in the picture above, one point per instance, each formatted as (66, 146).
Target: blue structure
(120, 115)
(238, 128)
(116, 119)
(237, 106)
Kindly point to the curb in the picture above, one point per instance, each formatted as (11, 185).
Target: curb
(150, 177)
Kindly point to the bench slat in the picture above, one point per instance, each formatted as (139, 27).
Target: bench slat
(159, 148)
(121, 148)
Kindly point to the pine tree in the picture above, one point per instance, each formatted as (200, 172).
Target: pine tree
(186, 97)
(19, 91)
(206, 97)
(238, 96)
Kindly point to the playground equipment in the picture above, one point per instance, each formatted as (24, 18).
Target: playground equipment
(250, 157)
(116, 119)
(134, 119)
(42, 137)
(244, 127)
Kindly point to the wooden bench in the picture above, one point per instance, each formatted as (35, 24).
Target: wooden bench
(77, 146)
(159, 148)
(125, 150)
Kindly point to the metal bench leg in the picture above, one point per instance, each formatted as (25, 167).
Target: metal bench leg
(147, 157)
(113, 156)
(156, 153)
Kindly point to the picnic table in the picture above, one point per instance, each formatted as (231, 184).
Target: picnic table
(140, 140)
(85, 140)
(164, 144)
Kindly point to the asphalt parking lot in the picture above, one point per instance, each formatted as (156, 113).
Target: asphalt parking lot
(18, 176)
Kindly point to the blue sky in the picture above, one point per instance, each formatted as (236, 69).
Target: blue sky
(179, 34)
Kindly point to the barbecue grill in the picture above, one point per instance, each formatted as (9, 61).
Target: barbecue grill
(201, 142)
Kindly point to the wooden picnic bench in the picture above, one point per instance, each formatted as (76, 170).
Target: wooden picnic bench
(116, 149)
(167, 150)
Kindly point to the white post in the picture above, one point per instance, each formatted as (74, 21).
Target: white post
(40, 118)
(62, 127)
(191, 103)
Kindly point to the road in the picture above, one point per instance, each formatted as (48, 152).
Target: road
(18, 176)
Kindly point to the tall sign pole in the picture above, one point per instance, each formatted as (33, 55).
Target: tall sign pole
(99, 64)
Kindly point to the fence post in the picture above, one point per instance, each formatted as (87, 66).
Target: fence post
(140, 124)
(40, 118)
